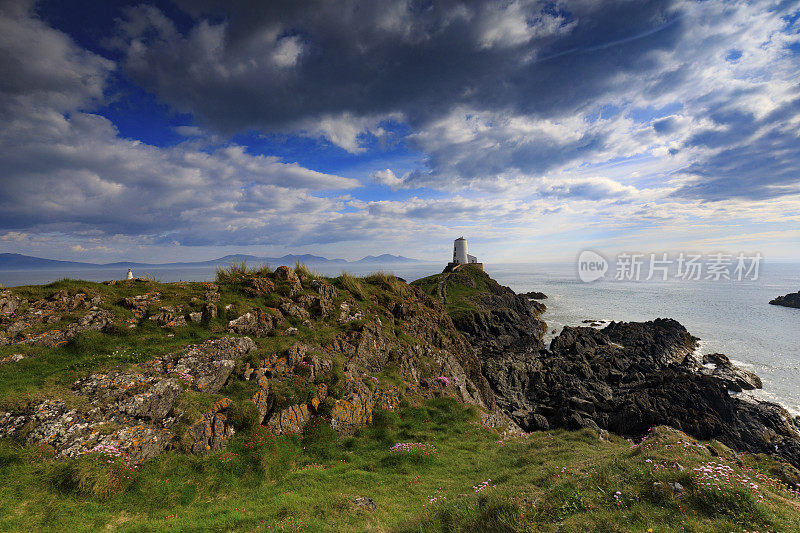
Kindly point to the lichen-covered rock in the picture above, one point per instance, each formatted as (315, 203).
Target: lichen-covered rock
(169, 316)
(208, 364)
(289, 420)
(212, 430)
(140, 303)
(255, 323)
(262, 398)
(287, 274)
(94, 320)
(8, 303)
(261, 286)
(209, 312)
(292, 309)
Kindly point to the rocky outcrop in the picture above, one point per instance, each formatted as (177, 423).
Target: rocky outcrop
(288, 275)
(734, 378)
(535, 295)
(500, 316)
(21, 321)
(212, 430)
(133, 409)
(255, 323)
(290, 420)
(629, 377)
(790, 300)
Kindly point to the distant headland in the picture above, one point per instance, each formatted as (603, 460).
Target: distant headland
(10, 261)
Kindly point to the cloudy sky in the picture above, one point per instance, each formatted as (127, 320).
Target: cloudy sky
(196, 128)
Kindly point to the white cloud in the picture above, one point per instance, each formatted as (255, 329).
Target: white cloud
(387, 177)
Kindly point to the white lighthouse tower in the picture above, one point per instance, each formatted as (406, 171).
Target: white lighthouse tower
(460, 251)
(461, 257)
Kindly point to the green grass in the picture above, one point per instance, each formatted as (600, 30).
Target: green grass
(309, 482)
(464, 289)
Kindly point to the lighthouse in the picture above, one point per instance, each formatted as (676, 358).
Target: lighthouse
(461, 256)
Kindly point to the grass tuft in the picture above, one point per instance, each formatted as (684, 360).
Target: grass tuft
(353, 285)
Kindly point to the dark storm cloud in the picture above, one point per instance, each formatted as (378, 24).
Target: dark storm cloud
(336, 69)
(368, 58)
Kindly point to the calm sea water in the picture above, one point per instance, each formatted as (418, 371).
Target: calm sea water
(730, 317)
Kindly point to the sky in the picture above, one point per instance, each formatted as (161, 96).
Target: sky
(188, 130)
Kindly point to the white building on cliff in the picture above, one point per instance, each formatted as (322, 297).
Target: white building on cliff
(461, 257)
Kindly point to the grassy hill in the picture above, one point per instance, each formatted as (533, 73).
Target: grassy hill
(430, 462)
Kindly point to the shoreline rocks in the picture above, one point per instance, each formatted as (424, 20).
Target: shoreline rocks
(790, 300)
(625, 377)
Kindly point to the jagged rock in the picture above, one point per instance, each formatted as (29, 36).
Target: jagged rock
(291, 332)
(196, 317)
(209, 364)
(262, 399)
(209, 312)
(212, 430)
(629, 377)
(261, 286)
(365, 503)
(154, 403)
(284, 273)
(95, 319)
(140, 303)
(790, 300)
(8, 303)
(137, 394)
(734, 378)
(535, 295)
(324, 304)
(256, 323)
(211, 296)
(291, 309)
(290, 420)
(349, 312)
(169, 316)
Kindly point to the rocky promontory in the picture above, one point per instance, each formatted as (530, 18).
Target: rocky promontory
(790, 300)
(624, 378)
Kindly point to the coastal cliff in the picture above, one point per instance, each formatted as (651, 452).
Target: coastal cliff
(289, 401)
(624, 378)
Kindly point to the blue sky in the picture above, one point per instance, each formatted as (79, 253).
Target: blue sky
(187, 130)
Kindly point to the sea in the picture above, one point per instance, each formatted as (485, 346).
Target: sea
(729, 316)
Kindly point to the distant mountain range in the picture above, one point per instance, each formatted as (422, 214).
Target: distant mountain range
(24, 262)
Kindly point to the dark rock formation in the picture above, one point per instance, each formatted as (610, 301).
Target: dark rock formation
(500, 318)
(790, 300)
(535, 295)
(629, 377)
